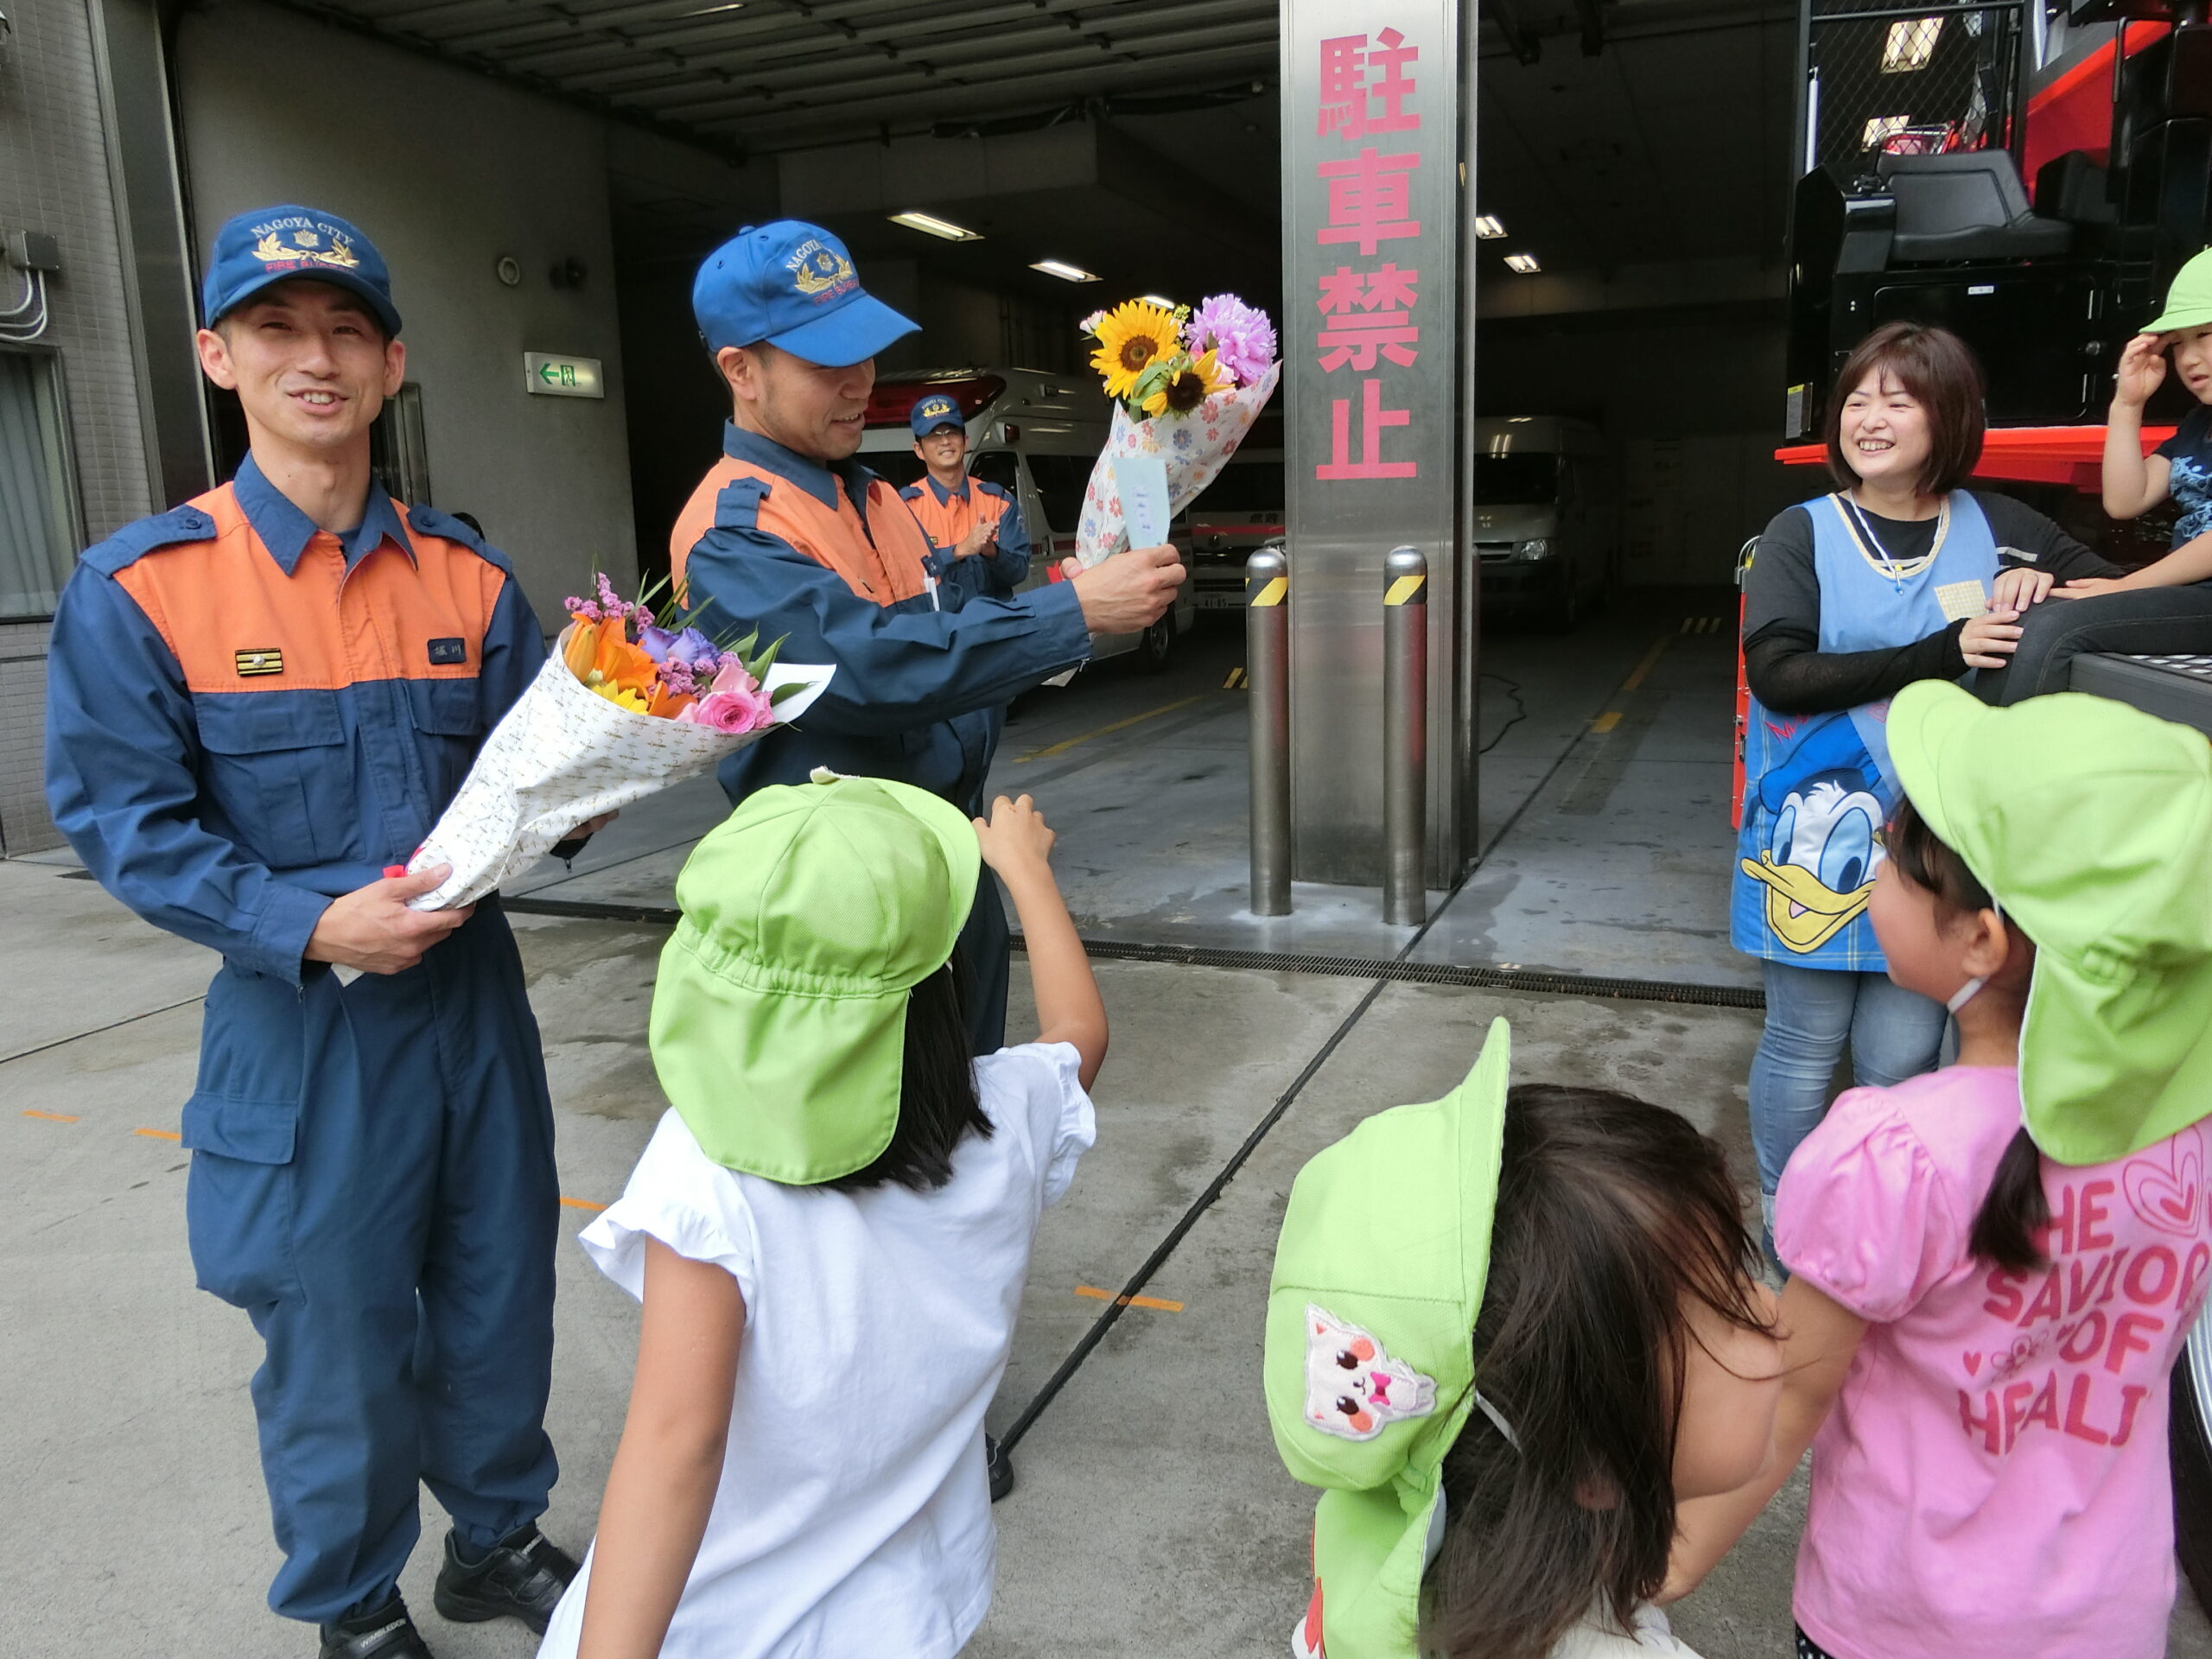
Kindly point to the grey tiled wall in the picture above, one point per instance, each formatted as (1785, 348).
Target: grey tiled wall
(54, 178)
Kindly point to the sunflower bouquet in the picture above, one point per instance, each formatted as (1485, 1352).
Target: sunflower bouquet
(1187, 385)
(630, 701)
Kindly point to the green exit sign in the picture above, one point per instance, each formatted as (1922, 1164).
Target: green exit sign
(549, 376)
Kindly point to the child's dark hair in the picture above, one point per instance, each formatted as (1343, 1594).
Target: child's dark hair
(938, 1103)
(1611, 1214)
(2016, 1209)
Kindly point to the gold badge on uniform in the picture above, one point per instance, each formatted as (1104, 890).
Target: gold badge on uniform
(268, 660)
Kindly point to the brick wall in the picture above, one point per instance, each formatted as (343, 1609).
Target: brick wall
(55, 179)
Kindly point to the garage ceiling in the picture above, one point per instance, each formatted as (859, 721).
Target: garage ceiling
(774, 74)
(1668, 145)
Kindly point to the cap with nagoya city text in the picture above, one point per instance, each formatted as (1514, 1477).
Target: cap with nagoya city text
(257, 250)
(791, 285)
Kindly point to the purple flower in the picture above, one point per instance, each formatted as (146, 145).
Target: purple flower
(655, 642)
(1239, 336)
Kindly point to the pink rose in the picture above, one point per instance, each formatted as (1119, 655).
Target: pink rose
(735, 703)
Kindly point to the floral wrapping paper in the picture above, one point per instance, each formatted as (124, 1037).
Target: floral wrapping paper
(1195, 446)
(563, 755)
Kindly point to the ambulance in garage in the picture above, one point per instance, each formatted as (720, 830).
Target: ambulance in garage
(1037, 437)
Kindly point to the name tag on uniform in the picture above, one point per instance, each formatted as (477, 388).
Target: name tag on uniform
(268, 660)
(446, 652)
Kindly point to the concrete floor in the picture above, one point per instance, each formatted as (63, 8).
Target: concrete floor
(1151, 1516)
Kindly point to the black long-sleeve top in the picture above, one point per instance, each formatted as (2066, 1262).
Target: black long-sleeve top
(1790, 674)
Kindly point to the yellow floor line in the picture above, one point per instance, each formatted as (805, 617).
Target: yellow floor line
(1650, 661)
(52, 1117)
(1097, 1295)
(582, 1204)
(1607, 721)
(1066, 744)
(159, 1134)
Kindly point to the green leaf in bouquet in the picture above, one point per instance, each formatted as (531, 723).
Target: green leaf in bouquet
(790, 689)
(758, 667)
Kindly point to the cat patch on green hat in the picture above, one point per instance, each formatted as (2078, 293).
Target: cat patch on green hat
(778, 1024)
(2090, 823)
(1379, 1273)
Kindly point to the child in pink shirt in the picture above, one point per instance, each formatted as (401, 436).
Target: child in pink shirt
(1978, 1336)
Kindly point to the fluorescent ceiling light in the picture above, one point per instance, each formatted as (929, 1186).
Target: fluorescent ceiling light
(1064, 272)
(1524, 263)
(1883, 128)
(1910, 44)
(1154, 299)
(1488, 226)
(928, 224)
(708, 11)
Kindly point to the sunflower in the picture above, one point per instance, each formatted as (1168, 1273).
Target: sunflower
(1129, 337)
(1191, 388)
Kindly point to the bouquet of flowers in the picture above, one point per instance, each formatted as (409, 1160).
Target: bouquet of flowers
(1187, 386)
(632, 701)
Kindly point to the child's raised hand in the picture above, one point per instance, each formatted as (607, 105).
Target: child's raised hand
(2142, 370)
(1016, 837)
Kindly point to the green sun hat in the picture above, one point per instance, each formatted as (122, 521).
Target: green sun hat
(2189, 302)
(2090, 822)
(1378, 1276)
(779, 1017)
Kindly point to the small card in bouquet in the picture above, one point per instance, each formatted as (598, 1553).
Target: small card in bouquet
(1141, 482)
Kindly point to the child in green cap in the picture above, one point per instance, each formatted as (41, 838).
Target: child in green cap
(829, 1231)
(2164, 608)
(1995, 1266)
(1506, 1330)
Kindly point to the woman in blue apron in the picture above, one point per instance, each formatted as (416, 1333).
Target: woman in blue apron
(1900, 575)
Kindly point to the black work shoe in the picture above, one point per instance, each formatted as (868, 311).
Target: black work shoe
(521, 1577)
(386, 1633)
(1000, 1466)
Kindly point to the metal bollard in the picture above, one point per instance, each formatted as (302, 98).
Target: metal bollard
(1267, 656)
(1405, 735)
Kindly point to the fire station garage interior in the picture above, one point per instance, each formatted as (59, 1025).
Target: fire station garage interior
(1627, 245)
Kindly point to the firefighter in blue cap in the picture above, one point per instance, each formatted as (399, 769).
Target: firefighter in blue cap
(788, 533)
(256, 703)
(975, 525)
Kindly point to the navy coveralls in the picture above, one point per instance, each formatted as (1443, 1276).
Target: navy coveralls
(946, 516)
(246, 717)
(920, 693)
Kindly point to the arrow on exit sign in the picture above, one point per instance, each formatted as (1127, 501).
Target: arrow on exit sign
(549, 376)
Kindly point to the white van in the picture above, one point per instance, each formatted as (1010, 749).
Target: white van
(1546, 527)
(1036, 437)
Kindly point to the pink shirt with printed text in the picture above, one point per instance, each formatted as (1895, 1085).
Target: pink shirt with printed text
(1992, 1480)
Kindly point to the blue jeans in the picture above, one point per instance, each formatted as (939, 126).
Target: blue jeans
(1894, 1034)
(2151, 621)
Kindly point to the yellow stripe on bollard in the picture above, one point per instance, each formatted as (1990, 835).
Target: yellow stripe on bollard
(1403, 589)
(1277, 588)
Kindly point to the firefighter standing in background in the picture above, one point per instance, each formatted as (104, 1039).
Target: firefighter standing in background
(975, 525)
(256, 703)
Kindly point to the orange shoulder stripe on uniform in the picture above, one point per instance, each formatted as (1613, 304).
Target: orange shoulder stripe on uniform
(223, 604)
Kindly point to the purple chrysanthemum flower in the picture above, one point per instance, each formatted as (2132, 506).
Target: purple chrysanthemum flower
(1239, 336)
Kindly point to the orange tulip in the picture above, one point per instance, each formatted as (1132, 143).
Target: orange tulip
(582, 649)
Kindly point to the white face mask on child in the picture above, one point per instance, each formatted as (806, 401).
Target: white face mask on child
(1967, 992)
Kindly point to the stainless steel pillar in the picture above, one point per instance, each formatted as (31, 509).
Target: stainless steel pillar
(1266, 661)
(1405, 735)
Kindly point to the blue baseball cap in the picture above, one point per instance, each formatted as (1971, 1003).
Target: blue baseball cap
(274, 244)
(791, 285)
(934, 409)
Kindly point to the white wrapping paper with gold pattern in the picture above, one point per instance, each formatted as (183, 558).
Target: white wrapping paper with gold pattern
(563, 755)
